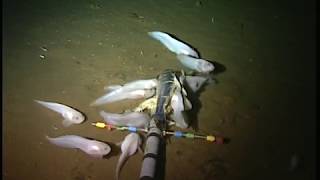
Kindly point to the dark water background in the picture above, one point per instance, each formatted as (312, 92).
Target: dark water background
(264, 101)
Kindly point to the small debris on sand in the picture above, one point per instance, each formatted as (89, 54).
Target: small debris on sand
(43, 48)
(42, 56)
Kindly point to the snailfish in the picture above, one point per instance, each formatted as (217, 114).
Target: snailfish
(199, 65)
(129, 147)
(136, 119)
(70, 115)
(91, 147)
(173, 44)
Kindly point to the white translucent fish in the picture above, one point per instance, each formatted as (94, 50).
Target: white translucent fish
(195, 82)
(179, 83)
(70, 115)
(178, 107)
(91, 147)
(136, 119)
(115, 95)
(132, 90)
(134, 85)
(141, 84)
(129, 147)
(199, 65)
(172, 44)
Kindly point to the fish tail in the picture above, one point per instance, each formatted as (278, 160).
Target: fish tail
(123, 158)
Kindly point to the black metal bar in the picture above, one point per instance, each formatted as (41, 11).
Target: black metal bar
(151, 153)
(153, 165)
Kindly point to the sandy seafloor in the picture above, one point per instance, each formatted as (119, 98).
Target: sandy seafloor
(263, 101)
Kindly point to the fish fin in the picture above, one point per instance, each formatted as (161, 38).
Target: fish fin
(187, 103)
(37, 101)
(47, 137)
(184, 92)
(57, 107)
(66, 123)
(180, 120)
(101, 100)
(112, 87)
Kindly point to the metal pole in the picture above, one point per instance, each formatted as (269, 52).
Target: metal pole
(153, 165)
(153, 154)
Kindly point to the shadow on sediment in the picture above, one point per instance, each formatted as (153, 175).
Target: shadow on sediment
(192, 115)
